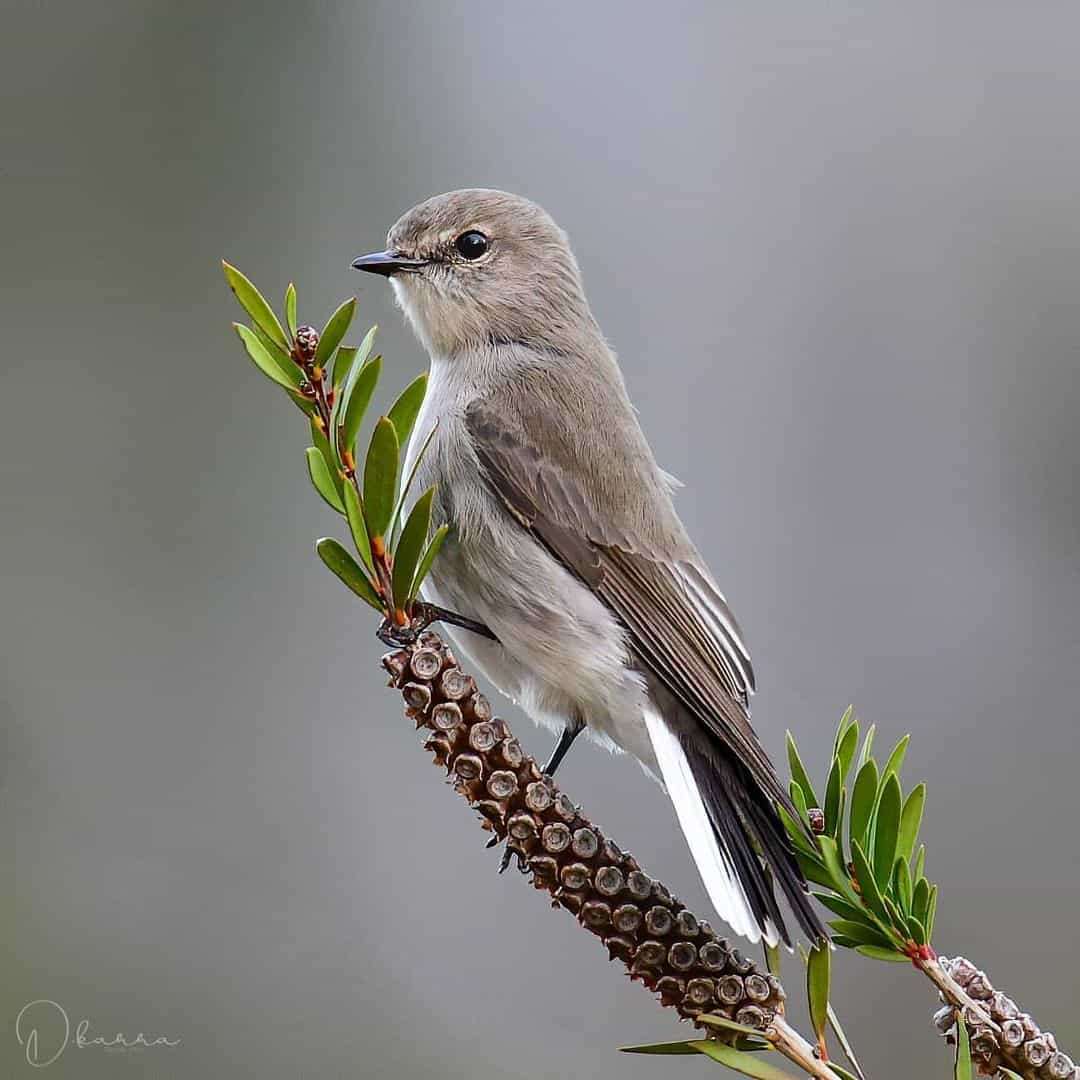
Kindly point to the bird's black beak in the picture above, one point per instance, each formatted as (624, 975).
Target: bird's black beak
(386, 263)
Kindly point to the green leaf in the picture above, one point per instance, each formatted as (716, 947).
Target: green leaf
(916, 931)
(354, 512)
(355, 399)
(1002, 1071)
(847, 744)
(845, 1045)
(799, 773)
(741, 1062)
(844, 908)
(380, 478)
(896, 758)
(290, 309)
(962, 1069)
(320, 478)
(920, 900)
(864, 875)
(722, 1023)
(931, 913)
(429, 557)
(661, 1048)
(318, 437)
(910, 821)
(841, 1072)
(868, 745)
(886, 829)
(254, 303)
(860, 933)
(796, 832)
(289, 377)
(344, 359)
(337, 326)
(410, 549)
(896, 916)
(814, 870)
(406, 486)
(818, 975)
(772, 958)
(830, 856)
(863, 797)
(832, 798)
(888, 955)
(902, 889)
(341, 563)
(798, 800)
(920, 863)
(404, 411)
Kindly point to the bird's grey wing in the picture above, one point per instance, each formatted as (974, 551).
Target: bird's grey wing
(677, 622)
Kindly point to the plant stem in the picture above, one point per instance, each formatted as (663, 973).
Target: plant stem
(797, 1050)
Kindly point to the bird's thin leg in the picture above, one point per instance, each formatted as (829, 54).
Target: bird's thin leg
(423, 616)
(566, 739)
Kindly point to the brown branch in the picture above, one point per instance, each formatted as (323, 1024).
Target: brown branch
(663, 945)
(1001, 1035)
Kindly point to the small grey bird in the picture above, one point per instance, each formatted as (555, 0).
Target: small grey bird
(565, 542)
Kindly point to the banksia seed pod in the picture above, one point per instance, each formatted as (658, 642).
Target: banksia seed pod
(1000, 1034)
(662, 944)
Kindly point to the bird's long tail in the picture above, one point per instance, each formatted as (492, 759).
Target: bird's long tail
(734, 835)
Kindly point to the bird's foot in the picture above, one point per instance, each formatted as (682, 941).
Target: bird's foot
(423, 615)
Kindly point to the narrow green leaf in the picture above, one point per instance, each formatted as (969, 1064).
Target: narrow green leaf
(814, 870)
(290, 378)
(318, 437)
(320, 478)
(661, 1048)
(343, 391)
(798, 800)
(354, 512)
(886, 828)
(920, 863)
(410, 548)
(910, 821)
(916, 931)
(341, 563)
(358, 392)
(1008, 1073)
(863, 797)
(254, 303)
(868, 745)
(920, 900)
(861, 933)
(841, 1071)
(842, 942)
(931, 913)
(406, 485)
(404, 411)
(846, 747)
(380, 478)
(832, 799)
(896, 758)
(845, 1044)
(290, 309)
(830, 856)
(962, 1069)
(896, 916)
(844, 908)
(337, 326)
(722, 1023)
(818, 975)
(343, 362)
(741, 1062)
(796, 831)
(773, 958)
(799, 773)
(864, 875)
(902, 888)
(422, 570)
(888, 955)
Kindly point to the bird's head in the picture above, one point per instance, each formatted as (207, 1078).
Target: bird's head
(477, 268)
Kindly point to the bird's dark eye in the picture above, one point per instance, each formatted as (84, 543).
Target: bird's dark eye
(471, 244)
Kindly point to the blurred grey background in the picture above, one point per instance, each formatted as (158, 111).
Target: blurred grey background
(838, 249)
